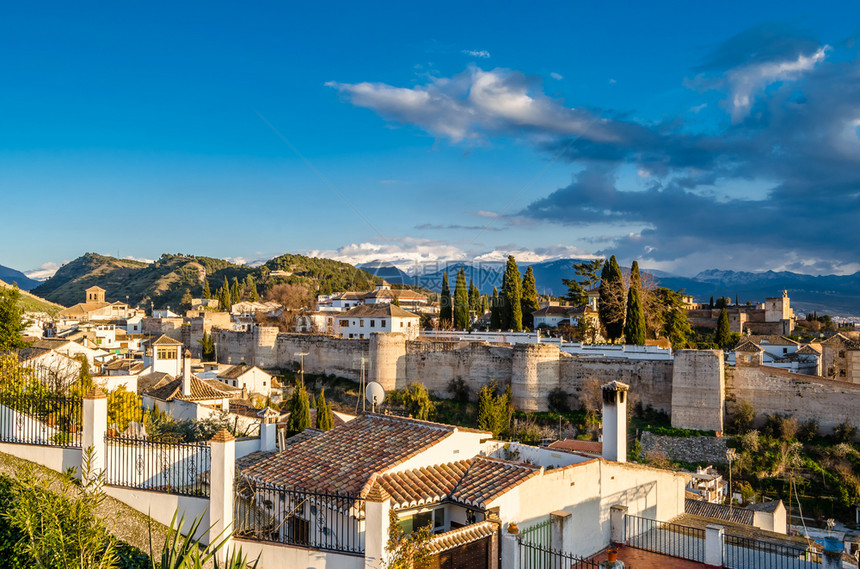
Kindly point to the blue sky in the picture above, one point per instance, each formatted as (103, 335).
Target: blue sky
(684, 136)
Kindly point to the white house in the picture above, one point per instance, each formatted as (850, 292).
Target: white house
(247, 377)
(163, 355)
(364, 320)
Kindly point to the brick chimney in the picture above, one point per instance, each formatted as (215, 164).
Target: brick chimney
(615, 421)
(186, 373)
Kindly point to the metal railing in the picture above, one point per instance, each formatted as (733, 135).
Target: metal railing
(40, 419)
(747, 553)
(535, 556)
(318, 520)
(664, 537)
(538, 534)
(171, 467)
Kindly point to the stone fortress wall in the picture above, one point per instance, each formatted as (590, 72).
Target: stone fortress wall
(697, 388)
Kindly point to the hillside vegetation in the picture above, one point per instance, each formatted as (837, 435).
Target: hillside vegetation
(164, 282)
(32, 303)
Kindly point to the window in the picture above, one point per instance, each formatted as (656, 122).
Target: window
(401, 323)
(361, 323)
(344, 323)
(373, 323)
(361, 336)
(785, 350)
(264, 384)
(382, 323)
(841, 354)
(166, 353)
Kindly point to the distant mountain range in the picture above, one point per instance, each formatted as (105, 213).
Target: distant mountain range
(12, 276)
(164, 282)
(831, 294)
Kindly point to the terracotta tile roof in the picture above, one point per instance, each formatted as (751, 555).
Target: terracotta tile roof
(31, 353)
(200, 391)
(745, 346)
(474, 482)
(83, 308)
(461, 536)
(718, 512)
(573, 445)
(152, 380)
(808, 349)
(384, 310)
(236, 371)
(125, 364)
(164, 341)
(552, 310)
(424, 485)
(346, 458)
(771, 339)
(488, 478)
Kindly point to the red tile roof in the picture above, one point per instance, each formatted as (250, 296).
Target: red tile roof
(200, 391)
(347, 457)
(573, 445)
(474, 482)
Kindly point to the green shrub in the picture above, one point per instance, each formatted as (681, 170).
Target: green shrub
(558, 401)
(808, 430)
(845, 432)
(742, 417)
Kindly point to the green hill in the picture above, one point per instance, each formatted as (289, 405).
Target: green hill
(32, 303)
(163, 283)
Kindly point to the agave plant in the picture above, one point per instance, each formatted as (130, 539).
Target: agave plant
(187, 552)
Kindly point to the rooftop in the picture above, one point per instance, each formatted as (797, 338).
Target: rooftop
(384, 310)
(345, 458)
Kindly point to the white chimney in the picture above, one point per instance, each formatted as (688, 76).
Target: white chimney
(186, 373)
(615, 421)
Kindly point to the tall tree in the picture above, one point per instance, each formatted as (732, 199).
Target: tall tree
(724, 333)
(11, 320)
(325, 420)
(300, 410)
(225, 300)
(494, 411)
(529, 300)
(495, 311)
(673, 317)
(613, 301)
(461, 302)
(474, 298)
(446, 313)
(185, 303)
(207, 294)
(586, 279)
(635, 276)
(207, 347)
(235, 292)
(511, 296)
(634, 325)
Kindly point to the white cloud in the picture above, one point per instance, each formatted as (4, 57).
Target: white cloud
(477, 103)
(556, 76)
(139, 259)
(480, 53)
(747, 81)
(44, 271)
(612, 81)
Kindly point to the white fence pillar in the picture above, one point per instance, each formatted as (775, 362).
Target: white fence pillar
(714, 545)
(221, 478)
(93, 428)
(511, 547)
(616, 524)
(376, 507)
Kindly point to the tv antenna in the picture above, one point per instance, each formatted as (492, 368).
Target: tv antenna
(375, 394)
(361, 362)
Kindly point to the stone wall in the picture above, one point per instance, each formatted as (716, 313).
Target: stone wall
(698, 390)
(650, 381)
(686, 449)
(772, 390)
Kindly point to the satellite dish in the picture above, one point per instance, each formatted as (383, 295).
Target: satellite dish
(375, 394)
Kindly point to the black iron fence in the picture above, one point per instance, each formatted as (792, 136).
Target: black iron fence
(40, 419)
(666, 538)
(319, 520)
(171, 467)
(536, 556)
(747, 553)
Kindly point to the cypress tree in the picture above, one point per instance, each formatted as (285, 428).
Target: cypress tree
(512, 310)
(224, 298)
(207, 345)
(300, 410)
(253, 295)
(207, 294)
(634, 326)
(325, 420)
(186, 301)
(446, 313)
(235, 293)
(724, 333)
(461, 302)
(485, 307)
(612, 300)
(495, 311)
(474, 297)
(635, 277)
(711, 303)
(529, 300)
